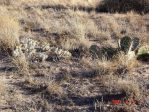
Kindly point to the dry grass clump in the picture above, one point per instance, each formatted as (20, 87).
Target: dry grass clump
(131, 89)
(86, 3)
(9, 32)
(55, 88)
(73, 32)
(102, 67)
(3, 86)
(125, 61)
(3, 90)
(5, 2)
(22, 64)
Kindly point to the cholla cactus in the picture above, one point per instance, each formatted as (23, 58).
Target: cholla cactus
(45, 46)
(39, 57)
(61, 52)
(17, 52)
(66, 54)
(29, 45)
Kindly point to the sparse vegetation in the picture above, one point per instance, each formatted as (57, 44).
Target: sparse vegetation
(74, 55)
(21, 64)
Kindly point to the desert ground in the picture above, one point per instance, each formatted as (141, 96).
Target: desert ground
(74, 56)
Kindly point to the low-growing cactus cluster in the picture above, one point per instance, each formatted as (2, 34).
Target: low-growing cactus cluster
(17, 52)
(36, 50)
(133, 49)
(130, 46)
(39, 51)
(29, 45)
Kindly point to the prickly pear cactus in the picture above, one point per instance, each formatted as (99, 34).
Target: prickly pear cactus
(95, 51)
(143, 53)
(129, 46)
(125, 43)
(143, 50)
(134, 44)
(103, 52)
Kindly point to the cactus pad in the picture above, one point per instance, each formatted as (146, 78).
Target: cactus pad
(125, 43)
(135, 43)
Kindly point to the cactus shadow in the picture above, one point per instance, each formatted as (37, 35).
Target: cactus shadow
(143, 57)
(123, 6)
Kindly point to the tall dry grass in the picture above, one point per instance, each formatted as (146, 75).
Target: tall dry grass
(9, 32)
(87, 3)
